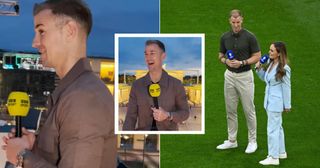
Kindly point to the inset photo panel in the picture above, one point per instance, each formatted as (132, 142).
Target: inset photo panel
(159, 83)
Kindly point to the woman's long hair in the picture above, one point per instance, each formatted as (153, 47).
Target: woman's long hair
(283, 60)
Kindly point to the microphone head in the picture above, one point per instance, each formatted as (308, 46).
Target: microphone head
(154, 90)
(230, 54)
(18, 104)
(264, 59)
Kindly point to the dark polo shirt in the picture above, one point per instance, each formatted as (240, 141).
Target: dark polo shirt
(79, 125)
(172, 99)
(243, 45)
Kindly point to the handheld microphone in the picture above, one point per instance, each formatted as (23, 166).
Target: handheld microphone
(230, 54)
(18, 106)
(264, 59)
(154, 91)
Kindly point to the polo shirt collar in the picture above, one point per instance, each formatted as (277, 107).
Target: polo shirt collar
(237, 34)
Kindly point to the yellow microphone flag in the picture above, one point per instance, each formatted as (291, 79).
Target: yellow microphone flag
(18, 104)
(154, 90)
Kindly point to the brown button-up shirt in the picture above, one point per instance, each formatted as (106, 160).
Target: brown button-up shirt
(79, 128)
(172, 99)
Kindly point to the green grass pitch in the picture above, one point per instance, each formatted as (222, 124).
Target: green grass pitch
(296, 22)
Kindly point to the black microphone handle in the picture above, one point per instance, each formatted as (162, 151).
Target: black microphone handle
(154, 125)
(155, 102)
(18, 126)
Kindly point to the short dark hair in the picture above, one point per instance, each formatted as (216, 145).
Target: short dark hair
(156, 42)
(76, 9)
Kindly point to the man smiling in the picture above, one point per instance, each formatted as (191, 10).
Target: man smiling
(173, 105)
(78, 131)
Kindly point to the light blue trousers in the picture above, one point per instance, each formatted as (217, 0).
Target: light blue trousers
(276, 144)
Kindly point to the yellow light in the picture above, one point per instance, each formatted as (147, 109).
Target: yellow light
(126, 137)
(104, 65)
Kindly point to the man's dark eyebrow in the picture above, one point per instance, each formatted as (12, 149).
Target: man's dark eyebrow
(152, 51)
(38, 25)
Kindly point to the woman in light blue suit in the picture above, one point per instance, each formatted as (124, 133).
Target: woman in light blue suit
(277, 99)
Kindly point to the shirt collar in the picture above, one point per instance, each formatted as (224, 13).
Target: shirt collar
(163, 80)
(237, 34)
(79, 68)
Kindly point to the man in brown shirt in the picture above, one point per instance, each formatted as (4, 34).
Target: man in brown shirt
(173, 105)
(78, 131)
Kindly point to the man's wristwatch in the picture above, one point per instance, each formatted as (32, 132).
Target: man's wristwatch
(241, 63)
(170, 116)
(20, 157)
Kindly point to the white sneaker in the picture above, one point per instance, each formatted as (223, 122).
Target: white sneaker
(252, 147)
(227, 145)
(269, 161)
(283, 155)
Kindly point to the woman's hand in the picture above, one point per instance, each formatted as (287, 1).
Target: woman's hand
(286, 110)
(258, 65)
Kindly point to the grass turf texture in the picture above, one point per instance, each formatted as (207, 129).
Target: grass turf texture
(295, 22)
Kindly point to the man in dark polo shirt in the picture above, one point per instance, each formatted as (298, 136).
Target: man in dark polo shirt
(78, 131)
(239, 80)
(173, 105)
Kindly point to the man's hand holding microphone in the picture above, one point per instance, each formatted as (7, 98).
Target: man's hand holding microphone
(19, 139)
(159, 114)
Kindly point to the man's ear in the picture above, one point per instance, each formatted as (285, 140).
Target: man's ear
(71, 30)
(242, 19)
(163, 56)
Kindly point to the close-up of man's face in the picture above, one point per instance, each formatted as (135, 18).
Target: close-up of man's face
(154, 57)
(236, 23)
(48, 38)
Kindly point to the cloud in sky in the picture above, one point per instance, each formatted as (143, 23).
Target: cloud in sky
(109, 17)
(183, 53)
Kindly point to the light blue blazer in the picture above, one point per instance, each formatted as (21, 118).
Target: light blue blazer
(278, 93)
